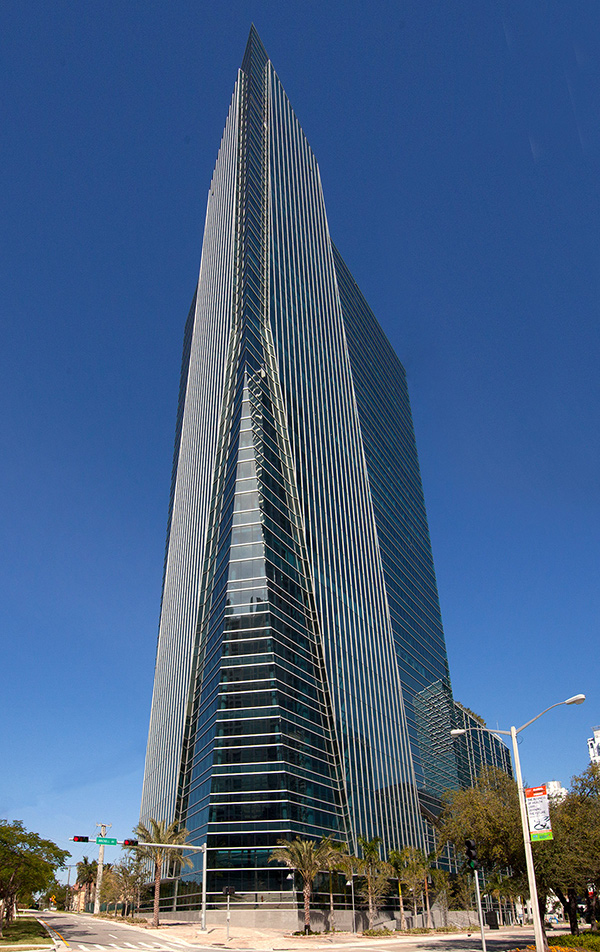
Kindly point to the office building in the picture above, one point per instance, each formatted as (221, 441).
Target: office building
(594, 746)
(478, 747)
(302, 684)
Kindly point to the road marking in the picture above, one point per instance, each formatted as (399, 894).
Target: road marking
(113, 936)
(53, 931)
(165, 946)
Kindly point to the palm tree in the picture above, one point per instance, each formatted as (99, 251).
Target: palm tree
(395, 861)
(86, 875)
(335, 858)
(376, 873)
(306, 858)
(163, 838)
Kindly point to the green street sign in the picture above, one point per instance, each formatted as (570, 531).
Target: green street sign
(106, 841)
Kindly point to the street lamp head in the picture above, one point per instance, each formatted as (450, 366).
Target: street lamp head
(458, 732)
(576, 699)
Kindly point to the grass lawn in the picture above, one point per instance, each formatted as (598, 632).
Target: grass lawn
(25, 931)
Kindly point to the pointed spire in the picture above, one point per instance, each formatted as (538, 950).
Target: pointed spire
(255, 51)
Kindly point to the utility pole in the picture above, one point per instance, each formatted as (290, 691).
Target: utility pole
(68, 867)
(103, 829)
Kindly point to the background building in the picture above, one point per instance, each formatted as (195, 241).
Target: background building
(594, 746)
(302, 683)
(555, 789)
(477, 748)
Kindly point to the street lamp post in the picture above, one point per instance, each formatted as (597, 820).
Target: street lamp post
(512, 733)
(350, 882)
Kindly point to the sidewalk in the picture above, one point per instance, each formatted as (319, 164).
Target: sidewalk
(269, 940)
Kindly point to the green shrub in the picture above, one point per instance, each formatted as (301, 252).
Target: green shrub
(587, 940)
(379, 932)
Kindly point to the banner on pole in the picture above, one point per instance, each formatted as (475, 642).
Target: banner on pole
(538, 812)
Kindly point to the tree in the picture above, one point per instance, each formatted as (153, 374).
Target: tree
(27, 865)
(441, 883)
(54, 893)
(571, 860)
(395, 861)
(460, 890)
(306, 858)
(87, 872)
(489, 813)
(165, 837)
(130, 877)
(110, 890)
(414, 870)
(335, 858)
(376, 873)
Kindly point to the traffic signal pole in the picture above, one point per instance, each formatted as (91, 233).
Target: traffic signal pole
(473, 863)
(131, 844)
(103, 828)
(479, 909)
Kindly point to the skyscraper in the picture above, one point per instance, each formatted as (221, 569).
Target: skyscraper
(302, 684)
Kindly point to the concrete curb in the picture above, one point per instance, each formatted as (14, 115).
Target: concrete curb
(34, 946)
(56, 937)
(29, 948)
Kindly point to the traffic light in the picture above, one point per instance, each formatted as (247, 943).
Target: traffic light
(130, 842)
(81, 839)
(471, 854)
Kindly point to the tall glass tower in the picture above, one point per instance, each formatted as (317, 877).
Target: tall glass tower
(302, 683)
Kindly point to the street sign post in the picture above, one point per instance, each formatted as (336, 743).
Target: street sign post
(106, 841)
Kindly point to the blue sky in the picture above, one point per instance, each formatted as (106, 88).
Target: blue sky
(459, 148)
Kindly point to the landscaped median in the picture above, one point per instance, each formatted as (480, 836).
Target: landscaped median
(566, 943)
(26, 933)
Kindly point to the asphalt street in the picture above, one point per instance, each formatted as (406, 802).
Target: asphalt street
(86, 934)
(83, 933)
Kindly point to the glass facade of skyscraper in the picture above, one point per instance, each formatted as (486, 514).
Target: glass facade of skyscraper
(302, 684)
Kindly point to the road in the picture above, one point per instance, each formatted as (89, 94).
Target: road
(86, 934)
